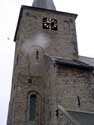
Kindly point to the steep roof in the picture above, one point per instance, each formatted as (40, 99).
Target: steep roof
(46, 4)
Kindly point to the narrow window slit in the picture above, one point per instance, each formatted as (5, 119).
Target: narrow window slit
(57, 113)
(37, 54)
(17, 59)
(78, 98)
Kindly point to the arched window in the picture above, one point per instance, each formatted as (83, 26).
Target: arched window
(32, 107)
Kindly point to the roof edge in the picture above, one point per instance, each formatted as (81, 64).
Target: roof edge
(73, 63)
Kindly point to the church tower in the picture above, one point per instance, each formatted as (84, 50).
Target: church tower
(43, 36)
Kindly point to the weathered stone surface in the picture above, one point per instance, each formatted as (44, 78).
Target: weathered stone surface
(35, 71)
(60, 43)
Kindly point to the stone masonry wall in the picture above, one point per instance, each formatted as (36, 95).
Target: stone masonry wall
(69, 87)
(61, 43)
(74, 89)
(30, 76)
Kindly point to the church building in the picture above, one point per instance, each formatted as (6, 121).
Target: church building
(52, 84)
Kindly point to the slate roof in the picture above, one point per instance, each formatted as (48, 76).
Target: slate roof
(73, 63)
(82, 118)
(76, 117)
(46, 4)
(87, 60)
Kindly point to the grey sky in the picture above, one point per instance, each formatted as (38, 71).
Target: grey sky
(9, 12)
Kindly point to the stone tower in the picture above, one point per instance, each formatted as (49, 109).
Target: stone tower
(46, 60)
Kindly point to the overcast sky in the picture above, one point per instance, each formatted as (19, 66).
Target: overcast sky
(9, 12)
